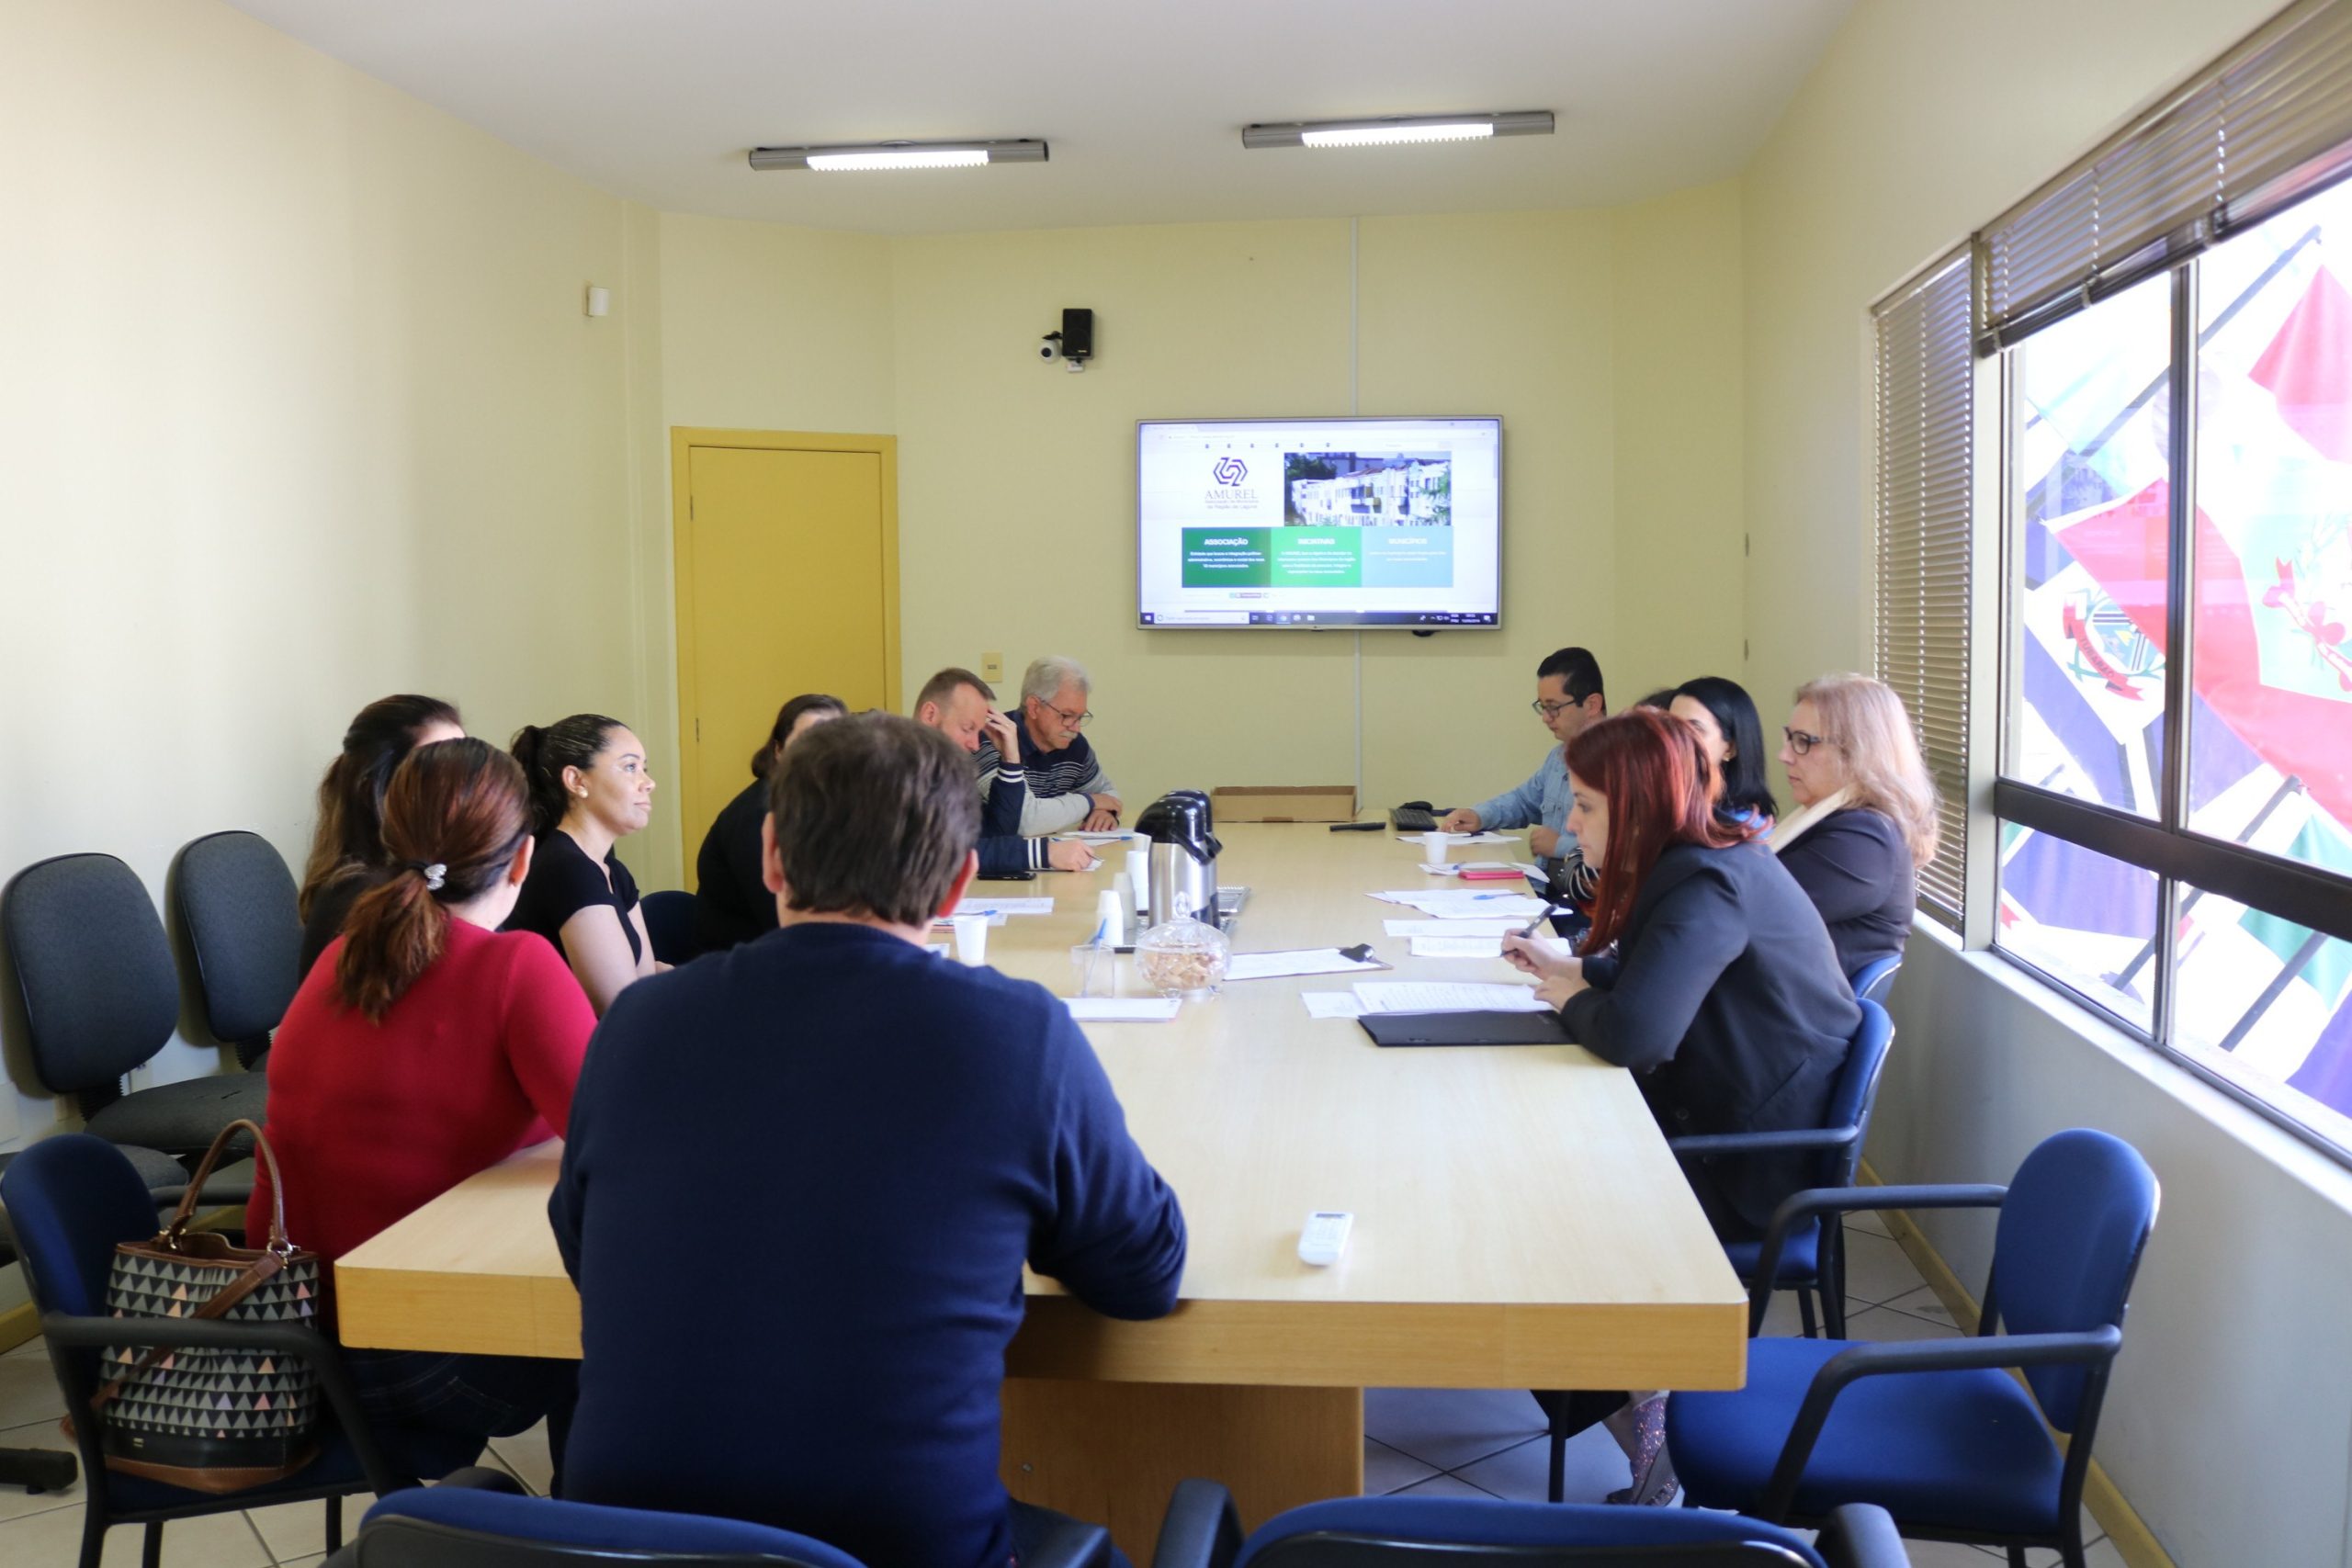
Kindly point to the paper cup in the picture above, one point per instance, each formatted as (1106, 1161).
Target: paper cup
(1139, 876)
(971, 933)
(1110, 920)
(1433, 847)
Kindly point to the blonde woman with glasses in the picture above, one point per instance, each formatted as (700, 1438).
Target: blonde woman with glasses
(1867, 814)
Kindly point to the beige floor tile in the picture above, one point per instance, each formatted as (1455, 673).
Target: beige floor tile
(28, 1392)
(1925, 1303)
(1593, 1467)
(300, 1530)
(1446, 1487)
(51, 1539)
(1946, 1554)
(1885, 1323)
(1449, 1427)
(303, 1562)
(1877, 1269)
(15, 1502)
(1389, 1470)
(1871, 1220)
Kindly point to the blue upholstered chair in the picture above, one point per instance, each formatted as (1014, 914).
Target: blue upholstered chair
(462, 1527)
(1812, 1259)
(71, 1200)
(100, 997)
(240, 929)
(1874, 981)
(1447, 1532)
(670, 925)
(1939, 1433)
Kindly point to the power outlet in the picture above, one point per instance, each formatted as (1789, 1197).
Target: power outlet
(991, 666)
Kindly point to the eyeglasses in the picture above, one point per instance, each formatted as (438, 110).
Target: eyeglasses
(1800, 742)
(1075, 720)
(1549, 711)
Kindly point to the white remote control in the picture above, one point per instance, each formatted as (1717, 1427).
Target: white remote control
(1325, 1236)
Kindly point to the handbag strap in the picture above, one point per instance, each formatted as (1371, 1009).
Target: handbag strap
(257, 1274)
(187, 1210)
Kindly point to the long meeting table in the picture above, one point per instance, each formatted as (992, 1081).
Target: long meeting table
(1519, 1221)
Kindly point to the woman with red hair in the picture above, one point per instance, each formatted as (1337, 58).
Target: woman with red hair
(1723, 993)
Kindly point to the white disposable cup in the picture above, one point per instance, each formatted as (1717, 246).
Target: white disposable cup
(1433, 845)
(1110, 919)
(1139, 876)
(971, 933)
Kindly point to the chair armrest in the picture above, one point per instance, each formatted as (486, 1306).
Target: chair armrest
(301, 1342)
(484, 1478)
(1800, 1208)
(1862, 1535)
(1712, 1144)
(1071, 1544)
(1997, 1352)
(1201, 1529)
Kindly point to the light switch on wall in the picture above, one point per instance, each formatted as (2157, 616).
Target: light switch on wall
(991, 666)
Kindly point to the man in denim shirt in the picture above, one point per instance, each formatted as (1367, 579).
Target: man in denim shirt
(1568, 696)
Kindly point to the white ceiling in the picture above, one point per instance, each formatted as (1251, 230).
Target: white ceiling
(1142, 100)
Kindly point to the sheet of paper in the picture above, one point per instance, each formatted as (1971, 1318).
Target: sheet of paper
(1451, 928)
(1004, 907)
(1299, 960)
(1467, 904)
(1457, 946)
(996, 917)
(1112, 837)
(1331, 1004)
(1405, 836)
(1122, 1009)
(1441, 995)
(1455, 868)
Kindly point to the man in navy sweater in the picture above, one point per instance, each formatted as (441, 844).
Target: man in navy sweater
(802, 1177)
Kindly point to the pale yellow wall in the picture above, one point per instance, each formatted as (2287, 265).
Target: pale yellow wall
(2228, 1425)
(298, 406)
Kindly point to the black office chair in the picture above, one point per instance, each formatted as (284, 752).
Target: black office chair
(670, 922)
(240, 934)
(93, 971)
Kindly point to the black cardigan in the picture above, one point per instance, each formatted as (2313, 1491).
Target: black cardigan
(1726, 1000)
(1857, 870)
(732, 903)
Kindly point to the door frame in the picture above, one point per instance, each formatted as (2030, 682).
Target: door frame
(684, 439)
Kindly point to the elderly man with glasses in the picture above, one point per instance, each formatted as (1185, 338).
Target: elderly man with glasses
(1067, 786)
(1568, 698)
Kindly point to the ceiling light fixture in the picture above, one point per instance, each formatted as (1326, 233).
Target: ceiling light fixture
(1390, 131)
(901, 156)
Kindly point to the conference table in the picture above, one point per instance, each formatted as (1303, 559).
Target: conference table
(1519, 1221)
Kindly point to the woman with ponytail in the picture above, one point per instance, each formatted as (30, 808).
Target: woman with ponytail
(1722, 993)
(732, 903)
(589, 789)
(425, 1047)
(347, 846)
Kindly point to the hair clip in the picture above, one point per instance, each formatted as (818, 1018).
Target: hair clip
(435, 876)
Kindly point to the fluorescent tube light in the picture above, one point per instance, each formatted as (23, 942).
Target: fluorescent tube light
(901, 156)
(1390, 131)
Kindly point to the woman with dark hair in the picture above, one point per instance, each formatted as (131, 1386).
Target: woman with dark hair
(732, 903)
(347, 846)
(426, 1048)
(589, 789)
(1733, 737)
(1723, 993)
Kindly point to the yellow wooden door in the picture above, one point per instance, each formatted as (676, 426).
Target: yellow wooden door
(786, 584)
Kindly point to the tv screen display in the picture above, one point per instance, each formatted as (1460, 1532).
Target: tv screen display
(1310, 524)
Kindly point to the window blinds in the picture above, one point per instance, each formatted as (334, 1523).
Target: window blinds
(1925, 387)
(2268, 122)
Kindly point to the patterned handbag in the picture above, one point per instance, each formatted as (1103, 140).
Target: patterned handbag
(212, 1420)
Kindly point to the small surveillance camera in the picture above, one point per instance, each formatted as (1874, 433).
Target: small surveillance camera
(1050, 348)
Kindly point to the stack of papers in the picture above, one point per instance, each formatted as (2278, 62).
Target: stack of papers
(1420, 996)
(1404, 837)
(1462, 904)
(1299, 960)
(1457, 947)
(1455, 868)
(1487, 926)
(994, 906)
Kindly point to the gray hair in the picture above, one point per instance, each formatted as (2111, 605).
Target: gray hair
(1045, 677)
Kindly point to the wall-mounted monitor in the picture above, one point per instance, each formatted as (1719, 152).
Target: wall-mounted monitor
(1303, 525)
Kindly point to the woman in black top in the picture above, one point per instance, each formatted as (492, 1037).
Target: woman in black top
(347, 846)
(1723, 993)
(1733, 737)
(732, 903)
(589, 789)
(1867, 817)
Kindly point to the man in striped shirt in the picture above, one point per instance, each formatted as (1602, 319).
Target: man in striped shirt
(1067, 786)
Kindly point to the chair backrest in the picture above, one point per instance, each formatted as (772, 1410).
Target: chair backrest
(1854, 1093)
(239, 911)
(94, 969)
(457, 1526)
(670, 922)
(1874, 981)
(1448, 1532)
(70, 1197)
(2072, 1229)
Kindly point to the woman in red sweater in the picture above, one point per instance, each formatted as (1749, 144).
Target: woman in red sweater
(426, 1046)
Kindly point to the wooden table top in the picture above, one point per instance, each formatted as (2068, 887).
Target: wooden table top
(1519, 1222)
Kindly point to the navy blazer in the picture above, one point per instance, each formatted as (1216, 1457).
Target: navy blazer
(1725, 998)
(1857, 870)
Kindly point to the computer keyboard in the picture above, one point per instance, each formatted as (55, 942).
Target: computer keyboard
(1412, 818)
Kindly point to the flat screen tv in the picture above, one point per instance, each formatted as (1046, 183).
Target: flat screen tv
(1307, 524)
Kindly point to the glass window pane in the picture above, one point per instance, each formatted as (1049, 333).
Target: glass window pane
(2090, 497)
(2271, 723)
(2081, 918)
(2269, 1004)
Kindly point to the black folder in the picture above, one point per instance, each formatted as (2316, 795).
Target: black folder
(1464, 1028)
